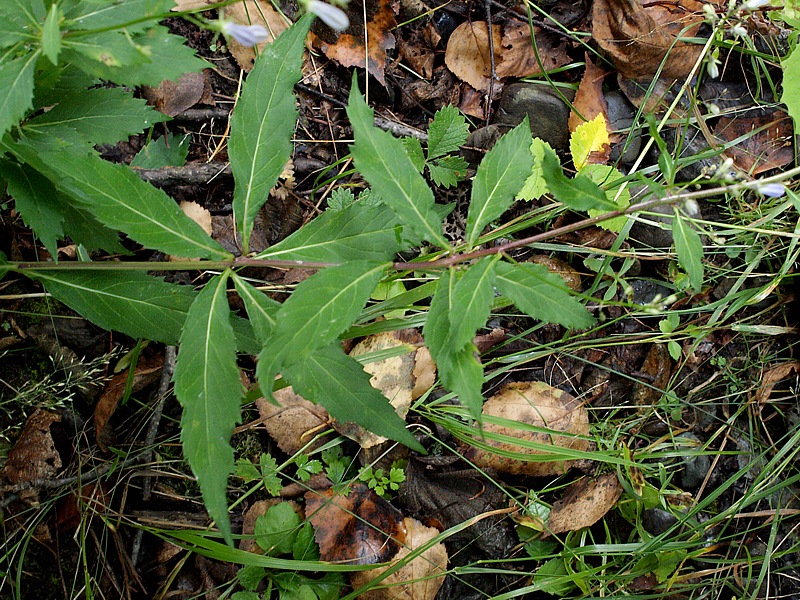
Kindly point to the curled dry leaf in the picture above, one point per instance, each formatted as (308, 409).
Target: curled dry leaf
(147, 371)
(467, 54)
(360, 528)
(351, 49)
(772, 376)
(401, 379)
(253, 12)
(420, 579)
(519, 58)
(657, 368)
(535, 404)
(174, 97)
(34, 456)
(585, 502)
(294, 422)
(637, 39)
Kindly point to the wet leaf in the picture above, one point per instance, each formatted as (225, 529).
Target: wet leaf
(535, 414)
(585, 502)
(419, 579)
(589, 143)
(174, 97)
(358, 528)
(519, 58)
(34, 456)
(589, 100)
(758, 143)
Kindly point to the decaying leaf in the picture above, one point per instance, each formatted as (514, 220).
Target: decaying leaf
(519, 58)
(295, 422)
(350, 48)
(467, 54)
(401, 379)
(147, 371)
(589, 100)
(586, 501)
(34, 456)
(420, 579)
(536, 404)
(198, 214)
(174, 97)
(590, 143)
(772, 376)
(657, 368)
(360, 528)
(758, 143)
(253, 12)
(570, 275)
(637, 39)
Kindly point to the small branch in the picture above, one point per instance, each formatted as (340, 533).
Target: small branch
(192, 173)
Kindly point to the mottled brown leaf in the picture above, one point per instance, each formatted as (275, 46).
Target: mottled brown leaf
(518, 57)
(34, 456)
(585, 502)
(419, 579)
(761, 142)
(294, 422)
(174, 97)
(467, 54)
(589, 100)
(360, 528)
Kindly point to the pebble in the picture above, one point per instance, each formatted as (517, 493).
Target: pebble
(547, 112)
(695, 466)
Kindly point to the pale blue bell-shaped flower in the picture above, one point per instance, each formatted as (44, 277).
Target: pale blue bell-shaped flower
(333, 17)
(771, 190)
(246, 35)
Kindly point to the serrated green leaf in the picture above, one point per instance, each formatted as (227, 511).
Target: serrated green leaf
(87, 231)
(101, 115)
(462, 372)
(145, 58)
(578, 193)
(247, 470)
(269, 474)
(541, 294)
(132, 302)
(447, 132)
(262, 124)
(276, 530)
(340, 198)
(339, 383)
(35, 199)
(383, 162)
(261, 309)
(16, 89)
(436, 330)
(305, 547)
(414, 150)
(357, 232)
(249, 576)
(169, 150)
(117, 197)
(689, 247)
(536, 186)
(447, 171)
(610, 180)
(790, 94)
(321, 307)
(499, 178)
(588, 137)
(16, 24)
(473, 293)
(208, 387)
(51, 34)
(113, 15)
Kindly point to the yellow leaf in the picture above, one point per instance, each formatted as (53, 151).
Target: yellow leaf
(589, 137)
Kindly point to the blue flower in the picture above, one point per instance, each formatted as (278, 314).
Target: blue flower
(771, 190)
(246, 35)
(333, 17)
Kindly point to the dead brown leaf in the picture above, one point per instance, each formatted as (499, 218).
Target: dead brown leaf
(657, 368)
(360, 528)
(467, 54)
(765, 140)
(253, 12)
(531, 403)
(147, 371)
(353, 48)
(519, 58)
(589, 100)
(638, 38)
(772, 376)
(34, 456)
(420, 579)
(585, 502)
(294, 422)
(174, 97)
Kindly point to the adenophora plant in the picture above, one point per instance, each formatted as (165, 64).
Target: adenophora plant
(62, 187)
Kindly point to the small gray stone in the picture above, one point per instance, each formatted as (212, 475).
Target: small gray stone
(657, 520)
(620, 116)
(547, 112)
(695, 466)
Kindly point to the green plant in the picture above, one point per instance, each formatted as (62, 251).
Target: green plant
(384, 484)
(64, 188)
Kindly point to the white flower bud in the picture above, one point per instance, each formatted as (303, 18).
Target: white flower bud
(771, 190)
(754, 4)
